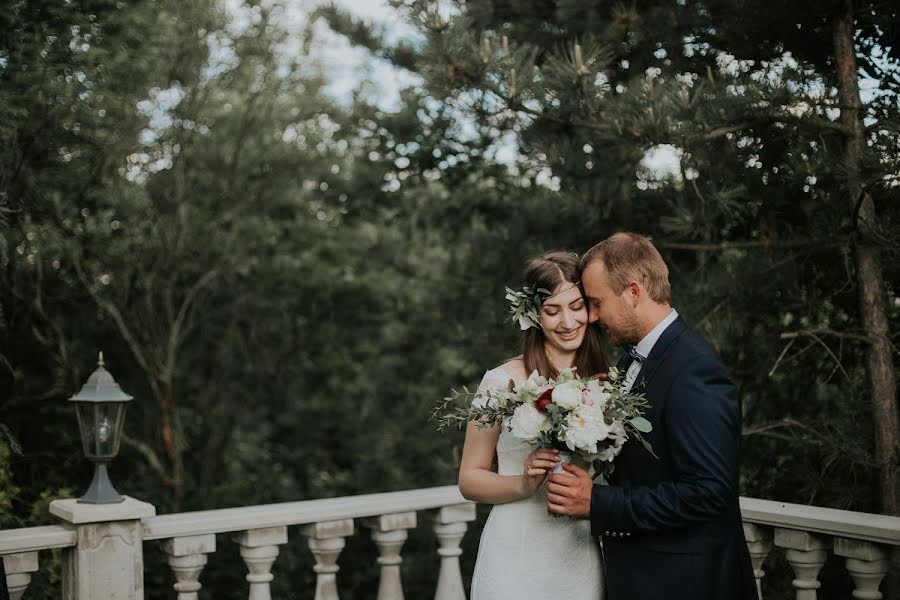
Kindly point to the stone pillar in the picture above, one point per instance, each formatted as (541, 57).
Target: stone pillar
(806, 553)
(326, 540)
(450, 524)
(867, 564)
(259, 549)
(759, 543)
(187, 557)
(19, 568)
(108, 558)
(389, 533)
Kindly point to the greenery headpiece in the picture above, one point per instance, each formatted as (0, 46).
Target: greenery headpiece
(525, 305)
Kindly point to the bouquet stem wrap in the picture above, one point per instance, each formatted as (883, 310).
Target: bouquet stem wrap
(564, 457)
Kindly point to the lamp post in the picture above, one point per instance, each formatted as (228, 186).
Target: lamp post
(100, 406)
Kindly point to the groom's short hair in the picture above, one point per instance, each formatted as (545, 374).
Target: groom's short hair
(632, 257)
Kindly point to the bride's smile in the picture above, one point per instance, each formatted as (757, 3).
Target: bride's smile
(569, 335)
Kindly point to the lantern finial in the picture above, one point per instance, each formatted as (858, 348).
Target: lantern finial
(100, 407)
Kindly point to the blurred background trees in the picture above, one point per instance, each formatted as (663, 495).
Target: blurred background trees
(286, 280)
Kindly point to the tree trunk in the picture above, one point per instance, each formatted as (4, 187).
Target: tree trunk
(872, 297)
(172, 438)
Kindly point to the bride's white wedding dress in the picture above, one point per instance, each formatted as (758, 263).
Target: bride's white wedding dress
(524, 553)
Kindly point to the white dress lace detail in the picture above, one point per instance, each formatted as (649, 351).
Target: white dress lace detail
(524, 553)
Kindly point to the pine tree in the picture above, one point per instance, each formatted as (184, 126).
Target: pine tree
(781, 218)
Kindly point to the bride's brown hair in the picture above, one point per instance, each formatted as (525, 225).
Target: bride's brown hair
(548, 271)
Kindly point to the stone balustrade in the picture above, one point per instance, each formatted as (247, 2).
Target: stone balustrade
(103, 544)
(866, 542)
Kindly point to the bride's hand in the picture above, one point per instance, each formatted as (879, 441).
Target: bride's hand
(537, 466)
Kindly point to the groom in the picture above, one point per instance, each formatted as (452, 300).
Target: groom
(671, 526)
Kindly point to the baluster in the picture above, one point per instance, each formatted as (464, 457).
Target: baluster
(19, 568)
(326, 540)
(759, 543)
(389, 533)
(806, 553)
(259, 549)
(867, 564)
(450, 527)
(187, 557)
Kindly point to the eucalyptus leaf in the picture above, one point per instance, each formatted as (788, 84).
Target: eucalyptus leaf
(648, 448)
(641, 424)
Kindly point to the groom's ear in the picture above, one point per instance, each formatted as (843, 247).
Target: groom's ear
(633, 293)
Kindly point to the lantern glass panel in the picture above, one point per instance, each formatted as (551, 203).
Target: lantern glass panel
(101, 427)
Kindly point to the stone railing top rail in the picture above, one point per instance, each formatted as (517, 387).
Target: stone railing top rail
(880, 529)
(298, 513)
(31, 539)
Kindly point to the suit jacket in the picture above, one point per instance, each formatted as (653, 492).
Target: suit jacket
(671, 526)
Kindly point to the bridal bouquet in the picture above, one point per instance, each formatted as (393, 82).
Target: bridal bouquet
(586, 419)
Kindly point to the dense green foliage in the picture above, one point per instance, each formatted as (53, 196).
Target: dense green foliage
(283, 283)
(286, 283)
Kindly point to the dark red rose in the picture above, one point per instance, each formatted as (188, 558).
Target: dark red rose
(544, 400)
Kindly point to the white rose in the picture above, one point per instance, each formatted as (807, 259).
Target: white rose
(568, 395)
(583, 434)
(594, 414)
(596, 394)
(528, 422)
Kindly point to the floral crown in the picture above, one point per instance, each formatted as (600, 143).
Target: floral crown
(525, 305)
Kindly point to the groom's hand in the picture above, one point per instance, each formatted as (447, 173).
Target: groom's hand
(569, 493)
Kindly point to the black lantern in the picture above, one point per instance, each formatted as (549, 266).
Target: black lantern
(100, 406)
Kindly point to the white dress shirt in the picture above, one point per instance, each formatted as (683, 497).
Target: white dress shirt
(645, 346)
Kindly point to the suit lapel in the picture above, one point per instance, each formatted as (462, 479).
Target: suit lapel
(658, 354)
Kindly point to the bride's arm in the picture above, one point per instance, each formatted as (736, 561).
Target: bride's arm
(477, 480)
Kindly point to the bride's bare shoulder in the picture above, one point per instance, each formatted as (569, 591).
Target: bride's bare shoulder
(515, 368)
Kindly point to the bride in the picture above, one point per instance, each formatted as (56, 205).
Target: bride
(524, 552)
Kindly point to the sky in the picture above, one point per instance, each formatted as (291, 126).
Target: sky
(345, 65)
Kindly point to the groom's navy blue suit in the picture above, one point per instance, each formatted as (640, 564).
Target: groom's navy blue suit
(671, 525)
